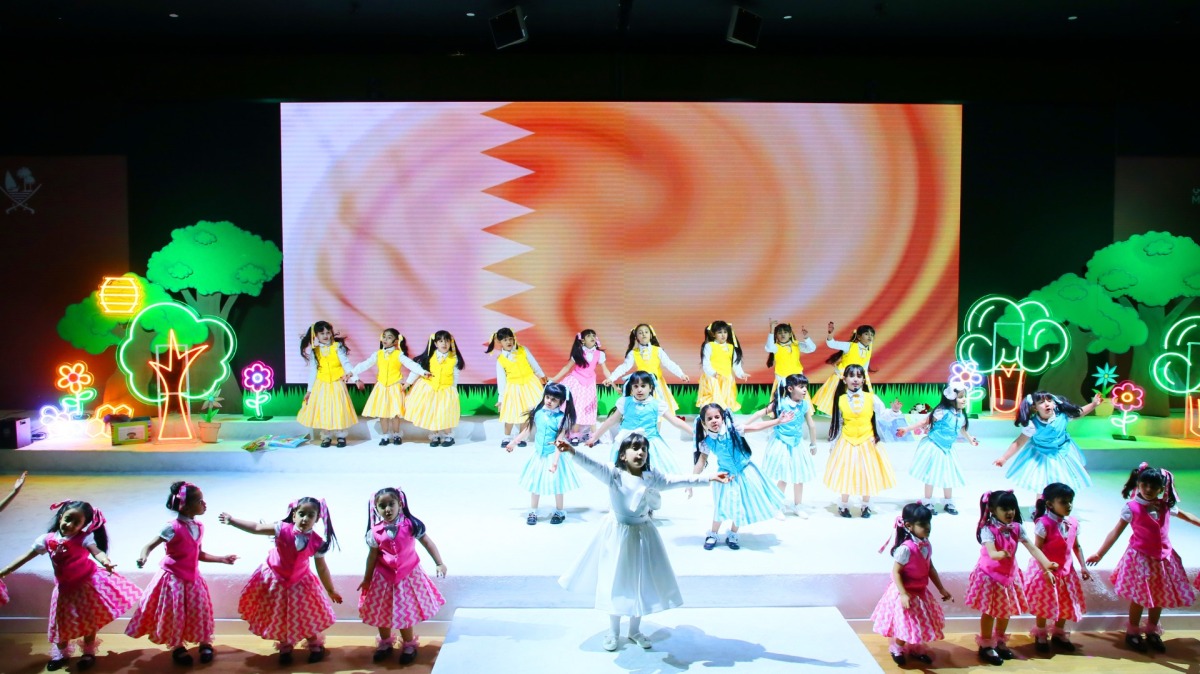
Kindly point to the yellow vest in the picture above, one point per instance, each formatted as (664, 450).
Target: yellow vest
(720, 358)
(517, 370)
(652, 364)
(442, 372)
(389, 367)
(787, 359)
(856, 426)
(852, 356)
(329, 366)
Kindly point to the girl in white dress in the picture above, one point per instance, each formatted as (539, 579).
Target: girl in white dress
(626, 565)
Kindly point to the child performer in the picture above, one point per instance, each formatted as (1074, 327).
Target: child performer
(386, 401)
(787, 462)
(1150, 574)
(395, 593)
(645, 355)
(890, 430)
(626, 566)
(746, 498)
(857, 351)
(994, 587)
(908, 614)
(1055, 533)
(857, 463)
(283, 601)
(638, 411)
(83, 600)
(935, 462)
(433, 400)
(544, 473)
(327, 408)
(176, 607)
(519, 381)
(1047, 453)
(784, 351)
(721, 360)
(580, 379)
(4, 504)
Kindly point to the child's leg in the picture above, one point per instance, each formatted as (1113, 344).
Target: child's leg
(385, 644)
(558, 502)
(408, 651)
(782, 486)
(59, 652)
(986, 623)
(1135, 619)
(798, 493)
(1002, 637)
(928, 493)
(533, 501)
(1155, 614)
(1154, 630)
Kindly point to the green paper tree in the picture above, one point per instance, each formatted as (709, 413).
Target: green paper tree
(211, 264)
(1156, 274)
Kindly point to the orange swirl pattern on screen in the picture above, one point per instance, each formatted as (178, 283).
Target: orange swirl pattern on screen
(553, 217)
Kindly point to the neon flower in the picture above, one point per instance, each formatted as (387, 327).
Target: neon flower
(258, 377)
(1106, 375)
(73, 377)
(966, 372)
(1128, 396)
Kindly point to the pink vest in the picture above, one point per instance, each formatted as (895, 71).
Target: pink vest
(1058, 547)
(397, 556)
(285, 560)
(183, 552)
(72, 561)
(1150, 534)
(915, 574)
(1001, 570)
(586, 373)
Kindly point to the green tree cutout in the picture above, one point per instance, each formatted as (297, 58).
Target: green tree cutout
(211, 264)
(1096, 323)
(1156, 274)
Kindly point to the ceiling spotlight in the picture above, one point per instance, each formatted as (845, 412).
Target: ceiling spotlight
(173, 15)
(508, 28)
(1072, 18)
(470, 13)
(788, 16)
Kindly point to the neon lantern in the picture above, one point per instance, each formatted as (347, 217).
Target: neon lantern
(75, 380)
(1129, 398)
(1007, 340)
(258, 379)
(1177, 369)
(119, 295)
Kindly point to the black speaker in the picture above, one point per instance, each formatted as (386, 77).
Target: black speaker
(744, 27)
(508, 28)
(14, 433)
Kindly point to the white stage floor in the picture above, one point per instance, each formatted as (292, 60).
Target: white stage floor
(527, 641)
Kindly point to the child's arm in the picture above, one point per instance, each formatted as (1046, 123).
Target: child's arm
(602, 471)
(1188, 517)
(768, 423)
(147, 549)
(608, 378)
(563, 372)
(968, 437)
(1087, 409)
(501, 381)
(905, 599)
(739, 372)
(1083, 570)
(671, 367)
(698, 468)
(19, 562)
(537, 369)
(937, 582)
(312, 375)
(15, 490)
(1047, 565)
(705, 365)
(348, 367)
(771, 347)
(432, 549)
(520, 437)
(323, 574)
(614, 417)
(993, 553)
(677, 422)
(260, 528)
(413, 366)
(1111, 538)
(812, 430)
(369, 573)
(624, 367)
(217, 559)
(759, 414)
(101, 557)
(1012, 449)
(806, 345)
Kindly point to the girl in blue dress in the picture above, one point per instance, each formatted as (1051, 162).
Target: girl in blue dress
(747, 498)
(638, 411)
(935, 462)
(1047, 453)
(545, 472)
(789, 458)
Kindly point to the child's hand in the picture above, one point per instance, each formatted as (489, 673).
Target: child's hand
(441, 570)
(1094, 559)
(427, 375)
(592, 441)
(745, 377)
(946, 596)
(141, 562)
(554, 466)
(108, 565)
(359, 385)
(772, 322)
(901, 432)
(1050, 576)
(830, 329)
(906, 601)
(998, 462)
(306, 397)
(685, 379)
(363, 585)
(812, 448)
(804, 332)
(974, 441)
(562, 445)
(785, 417)
(20, 482)
(721, 477)
(224, 518)
(1083, 572)
(229, 559)
(337, 598)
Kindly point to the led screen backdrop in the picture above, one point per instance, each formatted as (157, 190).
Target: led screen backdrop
(553, 217)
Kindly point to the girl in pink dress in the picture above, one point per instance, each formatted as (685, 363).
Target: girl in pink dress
(580, 378)
(283, 600)
(83, 600)
(1058, 598)
(176, 608)
(908, 614)
(395, 593)
(1150, 574)
(995, 587)
(4, 504)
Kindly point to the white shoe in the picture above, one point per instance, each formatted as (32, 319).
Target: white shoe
(799, 511)
(610, 643)
(640, 639)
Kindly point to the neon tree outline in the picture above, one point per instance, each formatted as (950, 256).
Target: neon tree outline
(1183, 334)
(213, 321)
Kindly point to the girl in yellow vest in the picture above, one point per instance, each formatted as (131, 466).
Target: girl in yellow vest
(386, 401)
(645, 354)
(784, 351)
(519, 381)
(432, 402)
(326, 408)
(857, 462)
(855, 352)
(721, 360)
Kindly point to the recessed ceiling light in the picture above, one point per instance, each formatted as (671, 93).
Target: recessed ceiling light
(470, 13)
(1072, 18)
(173, 15)
(788, 16)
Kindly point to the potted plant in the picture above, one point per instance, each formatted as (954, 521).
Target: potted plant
(209, 429)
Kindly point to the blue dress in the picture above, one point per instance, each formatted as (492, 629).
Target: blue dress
(934, 462)
(642, 417)
(788, 457)
(1050, 455)
(536, 477)
(747, 498)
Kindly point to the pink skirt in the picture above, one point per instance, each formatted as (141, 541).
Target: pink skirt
(285, 613)
(920, 623)
(401, 604)
(999, 600)
(583, 394)
(1061, 601)
(174, 612)
(84, 608)
(1153, 583)
(3, 594)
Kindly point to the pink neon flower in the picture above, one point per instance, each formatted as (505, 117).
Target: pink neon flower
(258, 377)
(966, 372)
(1128, 396)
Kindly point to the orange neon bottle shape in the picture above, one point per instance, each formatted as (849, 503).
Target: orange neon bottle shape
(171, 377)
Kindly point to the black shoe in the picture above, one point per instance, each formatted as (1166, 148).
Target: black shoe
(1156, 642)
(710, 541)
(1065, 645)
(435, 442)
(990, 656)
(180, 656)
(950, 509)
(382, 654)
(397, 441)
(341, 442)
(924, 658)
(285, 658)
(326, 443)
(385, 442)
(1041, 646)
(933, 511)
(206, 653)
(317, 655)
(56, 664)
(1135, 642)
(521, 443)
(866, 512)
(1004, 652)
(844, 512)
(407, 656)
(504, 444)
(575, 441)
(557, 517)
(447, 442)
(898, 658)
(531, 519)
(86, 662)
(733, 543)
